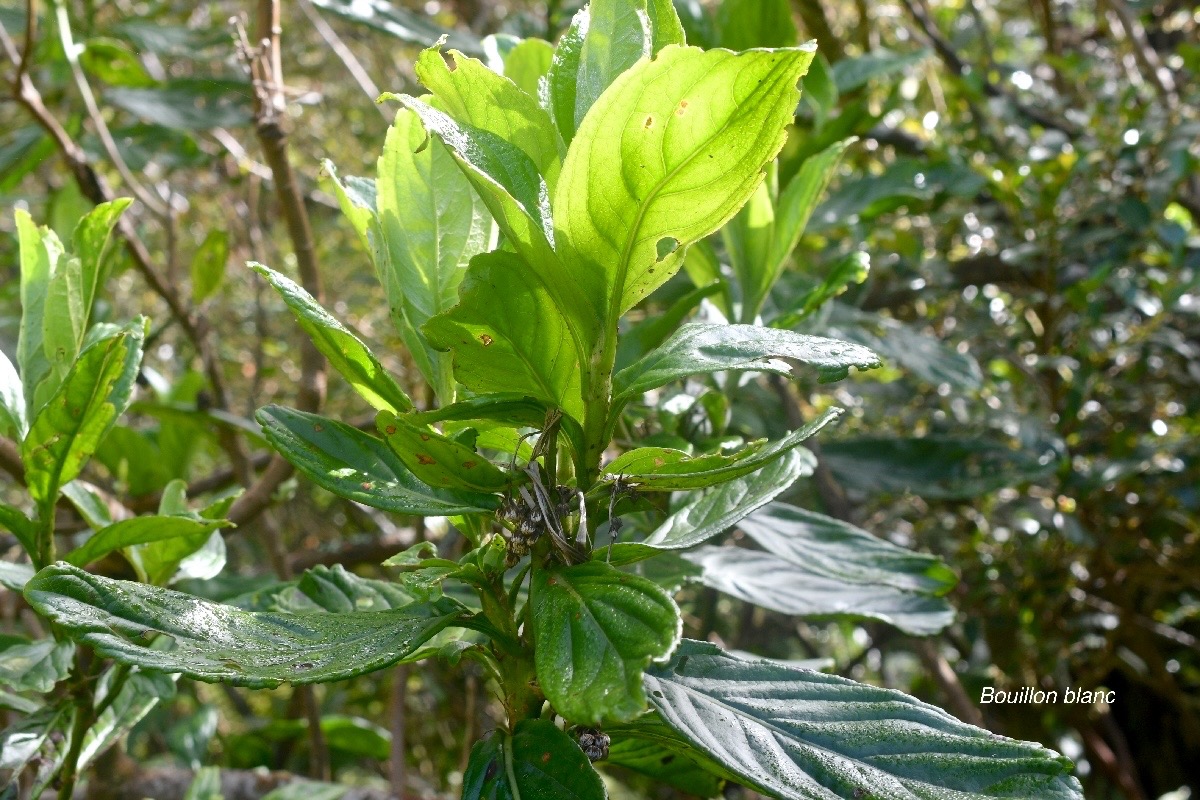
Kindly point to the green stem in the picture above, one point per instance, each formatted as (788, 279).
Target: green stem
(46, 554)
(82, 697)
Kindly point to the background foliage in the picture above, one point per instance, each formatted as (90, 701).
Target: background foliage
(1025, 189)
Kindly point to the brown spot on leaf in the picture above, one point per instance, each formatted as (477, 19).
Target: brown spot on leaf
(649, 121)
(424, 437)
(389, 430)
(487, 340)
(683, 104)
(424, 459)
(658, 462)
(367, 485)
(470, 464)
(545, 758)
(318, 427)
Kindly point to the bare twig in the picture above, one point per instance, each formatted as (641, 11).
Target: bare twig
(339, 48)
(398, 725)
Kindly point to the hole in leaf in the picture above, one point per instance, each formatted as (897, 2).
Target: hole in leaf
(666, 246)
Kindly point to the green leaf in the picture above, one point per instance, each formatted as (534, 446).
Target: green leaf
(716, 511)
(701, 347)
(747, 238)
(562, 79)
(139, 530)
(795, 734)
(357, 200)
(815, 566)
(520, 345)
(595, 629)
(141, 692)
(536, 762)
(335, 590)
(664, 470)
(665, 26)
(208, 265)
(820, 91)
(218, 643)
(345, 351)
(796, 205)
(36, 666)
(439, 460)
(359, 467)
(743, 24)
(113, 62)
(67, 430)
(683, 139)
(653, 331)
(618, 36)
(927, 357)
(518, 199)
(206, 785)
(40, 250)
(14, 421)
(90, 242)
(489, 103)
(39, 740)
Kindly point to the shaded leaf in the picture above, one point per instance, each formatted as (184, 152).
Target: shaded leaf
(139, 530)
(218, 643)
(407, 26)
(536, 762)
(188, 104)
(208, 265)
(36, 666)
(595, 629)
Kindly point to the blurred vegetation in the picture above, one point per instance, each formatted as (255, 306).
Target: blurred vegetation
(1025, 184)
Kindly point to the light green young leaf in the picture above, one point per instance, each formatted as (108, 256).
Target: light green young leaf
(208, 265)
(139, 530)
(438, 460)
(14, 420)
(595, 629)
(360, 467)
(14, 520)
(521, 345)
(489, 103)
(357, 200)
(219, 643)
(682, 141)
(40, 250)
(67, 430)
(747, 239)
(618, 35)
(818, 566)
(64, 322)
(702, 347)
(797, 735)
(527, 65)
(345, 351)
(90, 243)
(714, 512)
(662, 469)
(665, 26)
(536, 762)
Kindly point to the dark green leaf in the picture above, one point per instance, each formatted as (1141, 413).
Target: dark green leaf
(67, 430)
(935, 467)
(218, 643)
(14, 520)
(852, 269)
(663, 765)
(192, 104)
(700, 347)
(41, 740)
(815, 566)
(537, 762)
(796, 734)
(852, 73)
(595, 629)
(360, 467)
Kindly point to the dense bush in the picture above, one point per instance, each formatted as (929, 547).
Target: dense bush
(554, 431)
